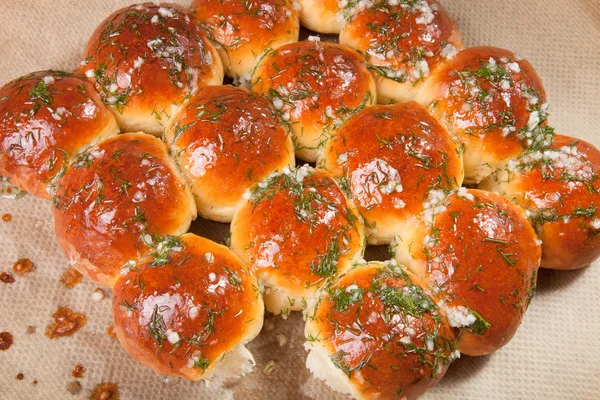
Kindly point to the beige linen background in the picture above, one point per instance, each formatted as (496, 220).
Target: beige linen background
(555, 354)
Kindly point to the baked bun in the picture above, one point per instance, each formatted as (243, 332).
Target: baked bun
(323, 16)
(377, 334)
(558, 188)
(403, 42)
(243, 30)
(297, 230)
(390, 158)
(226, 139)
(45, 118)
(493, 102)
(146, 60)
(479, 255)
(315, 86)
(116, 201)
(187, 309)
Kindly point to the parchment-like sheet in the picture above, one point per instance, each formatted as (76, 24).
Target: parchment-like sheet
(555, 354)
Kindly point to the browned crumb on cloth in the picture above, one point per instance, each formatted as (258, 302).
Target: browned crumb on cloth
(78, 371)
(71, 278)
(23, 265)
(66, 323)
(20, 376)
(6, 340)
(7, 277)
(105, 391)
(6, 217)
(110, 331)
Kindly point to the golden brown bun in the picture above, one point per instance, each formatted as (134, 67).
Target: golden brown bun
(115, 201)
(380, 333)
(493, 102)
(391, 157)
(45, 118)
(316, 87)
(297, 230)
(478, 253)
(323, 16)
(146, 60)
(558, 188)
(243, 30)
(187, 308)
(403, 44)
(226, 139)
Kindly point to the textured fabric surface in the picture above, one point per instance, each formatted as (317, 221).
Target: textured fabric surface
(555, 354)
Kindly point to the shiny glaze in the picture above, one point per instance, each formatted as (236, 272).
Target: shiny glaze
(201, 292)
(226, 139)
(288, 226)
(478, 123)
(481, 253)
(386, 144)
(247, 28)
(115, 198)
(45, 118)
(563, 203)
(383, 349)
(318, 85)
(392, 39)
(144, 58)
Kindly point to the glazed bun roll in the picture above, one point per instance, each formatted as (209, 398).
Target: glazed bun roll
(558, 188)
(187, 309)
(243, 30)
(403, 42)
(493, 102)
(45, 118)
(315, 86)
(146, 60)
(323, 16)
(479, 255)
(390, 158)
(226, 139)
(297, 230)
(378, 334)
(116, 201)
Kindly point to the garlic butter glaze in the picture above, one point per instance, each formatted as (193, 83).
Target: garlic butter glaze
(45, 118)
(116, 201)
(146, 60)
(187, 308)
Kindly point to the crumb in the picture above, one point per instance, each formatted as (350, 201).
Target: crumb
(23, 265)
(20, 376)
(269, 366)
(7, 217)
(105, 391)
(110, 331)
(98, 295)
(34, 382)
(66, 323)
(71, 278)
(30, 330)
(6, 340)
(7, 277)
(78, 371)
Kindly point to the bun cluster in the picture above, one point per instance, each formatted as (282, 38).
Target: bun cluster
(464, 261)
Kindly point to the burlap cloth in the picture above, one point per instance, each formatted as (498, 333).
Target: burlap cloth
(555, 354)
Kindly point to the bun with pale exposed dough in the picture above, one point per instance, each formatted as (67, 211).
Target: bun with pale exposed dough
(323, 16)
(187, 309)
